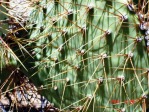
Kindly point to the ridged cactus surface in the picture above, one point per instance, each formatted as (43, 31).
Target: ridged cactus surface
(88, 55)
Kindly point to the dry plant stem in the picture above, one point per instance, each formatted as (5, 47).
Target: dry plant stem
(24, 94)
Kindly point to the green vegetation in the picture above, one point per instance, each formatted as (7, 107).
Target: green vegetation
(86, 55)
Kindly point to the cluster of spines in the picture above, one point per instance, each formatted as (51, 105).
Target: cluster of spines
(59, 56)
(81, 52)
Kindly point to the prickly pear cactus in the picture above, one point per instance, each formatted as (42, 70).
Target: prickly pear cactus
(89, 55)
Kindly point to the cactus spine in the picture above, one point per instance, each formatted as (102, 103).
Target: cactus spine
(89, 55)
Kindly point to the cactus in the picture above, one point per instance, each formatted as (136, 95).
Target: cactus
(89, 56)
